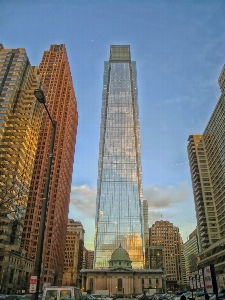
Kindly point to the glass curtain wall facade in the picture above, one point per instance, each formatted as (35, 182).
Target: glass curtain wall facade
(119, 203)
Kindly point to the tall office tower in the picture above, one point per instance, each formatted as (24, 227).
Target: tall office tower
(85, 257)
(119, 202)
(146, 232)
(214, 140)
(61, 101)
(71, 259)
(207, 226)
(211, 216)
(90, 259)
(191, 249)
(76, 226)
(164, 233)
(146, 228)
(20, 118)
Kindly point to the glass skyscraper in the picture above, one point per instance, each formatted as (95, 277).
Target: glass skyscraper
(119, 203)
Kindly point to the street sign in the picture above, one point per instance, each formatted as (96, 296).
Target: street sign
(208, 280)
(33, 284)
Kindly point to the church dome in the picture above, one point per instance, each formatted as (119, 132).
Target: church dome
(120, 259)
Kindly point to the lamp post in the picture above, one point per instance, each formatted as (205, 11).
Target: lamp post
(164, 280)
(39, 94)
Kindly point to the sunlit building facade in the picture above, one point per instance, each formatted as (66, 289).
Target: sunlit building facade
(61, 101)
(71, 259)
(207, 164)
(164, 233)
(119, 203)
(20, 119)
(207, 226)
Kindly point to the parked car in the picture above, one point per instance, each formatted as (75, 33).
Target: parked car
(220, 296)
(14, 297)
(178, 295)
(27, 296)
(199, 296)
(2, 296)
(88, 297)
(157, 296)
(101, 297)
(168, 296)
(61, 293)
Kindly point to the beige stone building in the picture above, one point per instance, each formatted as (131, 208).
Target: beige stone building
(73, 253)
(88, 258)
(165, 234)
(120, 278)
(70, 273)
(191, 249)
(15, 270)
(206, 154)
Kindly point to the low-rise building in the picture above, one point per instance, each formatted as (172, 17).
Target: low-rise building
(15, 270)
(120, 278)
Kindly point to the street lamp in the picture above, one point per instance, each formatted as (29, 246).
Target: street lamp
(164, 280)
(39, 94)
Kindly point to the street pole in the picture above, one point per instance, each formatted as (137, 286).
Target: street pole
(38, 262)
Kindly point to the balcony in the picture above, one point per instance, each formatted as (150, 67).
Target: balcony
(202, 218)
(204, 234)
(202, 223)
(205, 239)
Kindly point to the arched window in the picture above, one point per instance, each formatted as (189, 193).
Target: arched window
(120, 285)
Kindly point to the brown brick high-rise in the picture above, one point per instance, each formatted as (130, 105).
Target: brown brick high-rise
(61, 102)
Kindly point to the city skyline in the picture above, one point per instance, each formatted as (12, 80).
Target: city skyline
(179, 50)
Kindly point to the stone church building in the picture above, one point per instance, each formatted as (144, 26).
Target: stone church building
(120, 278)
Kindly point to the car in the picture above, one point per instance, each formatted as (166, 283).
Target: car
(2, 296)
(220, 296)
(168, 296)
(14, 297)
(88, 297)
(157, 296)
(101, 297)
(199, 296)
(182, 294)
(61, 293)
(27, 296)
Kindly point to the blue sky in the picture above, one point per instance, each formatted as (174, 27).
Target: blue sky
(179, 48)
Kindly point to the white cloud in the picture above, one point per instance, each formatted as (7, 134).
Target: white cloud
(169, 196)
(83, 200)
(82, 208)
(172, 203)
